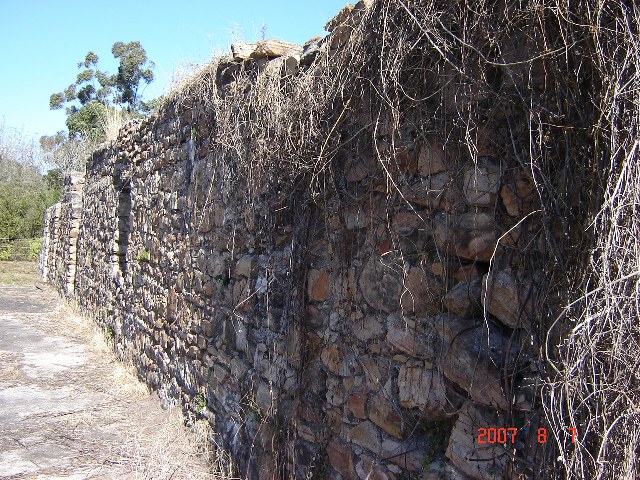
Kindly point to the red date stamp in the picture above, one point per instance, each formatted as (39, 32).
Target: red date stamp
(508, 435)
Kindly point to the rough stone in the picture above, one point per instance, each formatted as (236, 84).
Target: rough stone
(337, 361)
(438, 269)
(355, 216)
(520, 196)
(421, 294)
(314, 317)
(367, 468)
(342, 459)
(310, 51)
(440, 470)
(403, 454)
(376, 372)
(465, 358)
(472, 235)
(464, 300)
(264, 49)
(318, 285)
(357, 168)
(246, 266)
(369, 328)
(479, 462)
(403, 338)
(436, 191)
(405, 161)
(264, 397)
(357, 403)
(406, 224)
(379, 284)
(341, 17)
(386, 416)
(366, 435)
(508, 298)
(335, 392)
(481, 183)
(431, 159)
(466, 273)
(421, 388)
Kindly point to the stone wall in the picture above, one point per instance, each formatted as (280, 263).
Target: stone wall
(61, 228)
(366, 335)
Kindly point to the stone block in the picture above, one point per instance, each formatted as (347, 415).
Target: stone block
(356, 216)
(479, 462)
(472, 235)
(405, 224)
(405, 161)
(520, 196)
(431, 159)
(264, 49)
(246, 266)
(422, 388)
(341, 458)
(435, 191)
(337, 360)
(357, 403)
(387, 416)
(318, 285)
(439, 470)
(421, 294)
(366, 435)
(481, 184)
(379, 284)
(508, 298)
(310, 51)
(438, 269)
(310, 433)
(465, 358)
(406, 339)
(341, 17)
(264, 397)
(369, 328)
(357, 168)
(404, 454)
(464, 300)
(376, 371)
(466, 273)
(367, 468)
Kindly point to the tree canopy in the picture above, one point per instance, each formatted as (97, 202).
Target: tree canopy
(94, 91)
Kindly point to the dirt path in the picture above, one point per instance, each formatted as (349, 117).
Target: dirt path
(69, 410)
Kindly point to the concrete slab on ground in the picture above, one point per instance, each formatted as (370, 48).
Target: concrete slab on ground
(69, 410)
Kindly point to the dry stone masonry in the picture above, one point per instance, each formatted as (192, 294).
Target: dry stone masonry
(367, 334)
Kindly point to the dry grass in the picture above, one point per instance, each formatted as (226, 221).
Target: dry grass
(113, 120)
(127, 434)
(18, 273)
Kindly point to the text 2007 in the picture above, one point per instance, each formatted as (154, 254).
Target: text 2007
(508, 435)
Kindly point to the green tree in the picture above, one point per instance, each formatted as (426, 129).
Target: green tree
(134, 68)
(94, 91)
(53, 179)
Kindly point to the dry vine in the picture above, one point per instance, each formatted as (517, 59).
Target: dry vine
(555, 87)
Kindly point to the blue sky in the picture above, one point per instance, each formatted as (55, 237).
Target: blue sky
(41, 42)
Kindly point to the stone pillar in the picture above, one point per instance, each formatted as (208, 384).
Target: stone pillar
(74, 197)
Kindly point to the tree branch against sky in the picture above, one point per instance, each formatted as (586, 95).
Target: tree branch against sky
(57, 38)
(95, 91)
